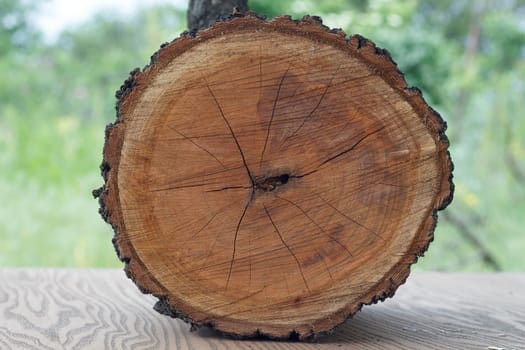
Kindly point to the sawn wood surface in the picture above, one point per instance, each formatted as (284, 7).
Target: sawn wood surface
(271, 177)
(101, 309)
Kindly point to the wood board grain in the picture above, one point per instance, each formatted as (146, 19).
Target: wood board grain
(101, 309)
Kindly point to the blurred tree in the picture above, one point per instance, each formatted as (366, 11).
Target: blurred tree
(15, 30)
(467, 56)
(55, 100)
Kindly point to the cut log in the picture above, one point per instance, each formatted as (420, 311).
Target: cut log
(271, 177)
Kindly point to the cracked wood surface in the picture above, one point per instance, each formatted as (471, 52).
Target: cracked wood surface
(49, 309)
(272, 177)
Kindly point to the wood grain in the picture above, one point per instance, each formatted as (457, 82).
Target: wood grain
(271, 177)
(101, 309)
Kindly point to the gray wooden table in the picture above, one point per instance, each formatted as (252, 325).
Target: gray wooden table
(102, 309)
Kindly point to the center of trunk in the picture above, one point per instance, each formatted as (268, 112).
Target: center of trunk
(271, 183)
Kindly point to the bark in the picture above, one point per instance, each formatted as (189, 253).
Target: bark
(203, 13)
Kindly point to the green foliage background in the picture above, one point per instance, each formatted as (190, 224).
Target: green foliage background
(468, 57)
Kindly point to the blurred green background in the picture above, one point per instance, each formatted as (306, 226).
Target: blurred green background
(57, 95)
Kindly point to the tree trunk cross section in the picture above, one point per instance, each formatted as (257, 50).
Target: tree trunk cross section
(272, 177)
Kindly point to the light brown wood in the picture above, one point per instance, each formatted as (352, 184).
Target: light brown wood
(272, 177)
(100, 309)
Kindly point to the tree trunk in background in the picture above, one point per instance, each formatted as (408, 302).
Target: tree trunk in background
(203, 13)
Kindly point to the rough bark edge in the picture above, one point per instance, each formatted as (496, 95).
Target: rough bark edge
(311, 27)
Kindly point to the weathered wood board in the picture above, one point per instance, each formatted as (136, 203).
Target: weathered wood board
(101, 309)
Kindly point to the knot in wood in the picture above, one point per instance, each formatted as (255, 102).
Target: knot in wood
(271, 183)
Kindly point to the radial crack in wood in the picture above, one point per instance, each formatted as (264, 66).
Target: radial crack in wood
(271, 177)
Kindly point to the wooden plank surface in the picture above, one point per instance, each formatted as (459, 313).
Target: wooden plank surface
(102, 309)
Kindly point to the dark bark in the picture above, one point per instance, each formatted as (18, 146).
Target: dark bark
(203, 13)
